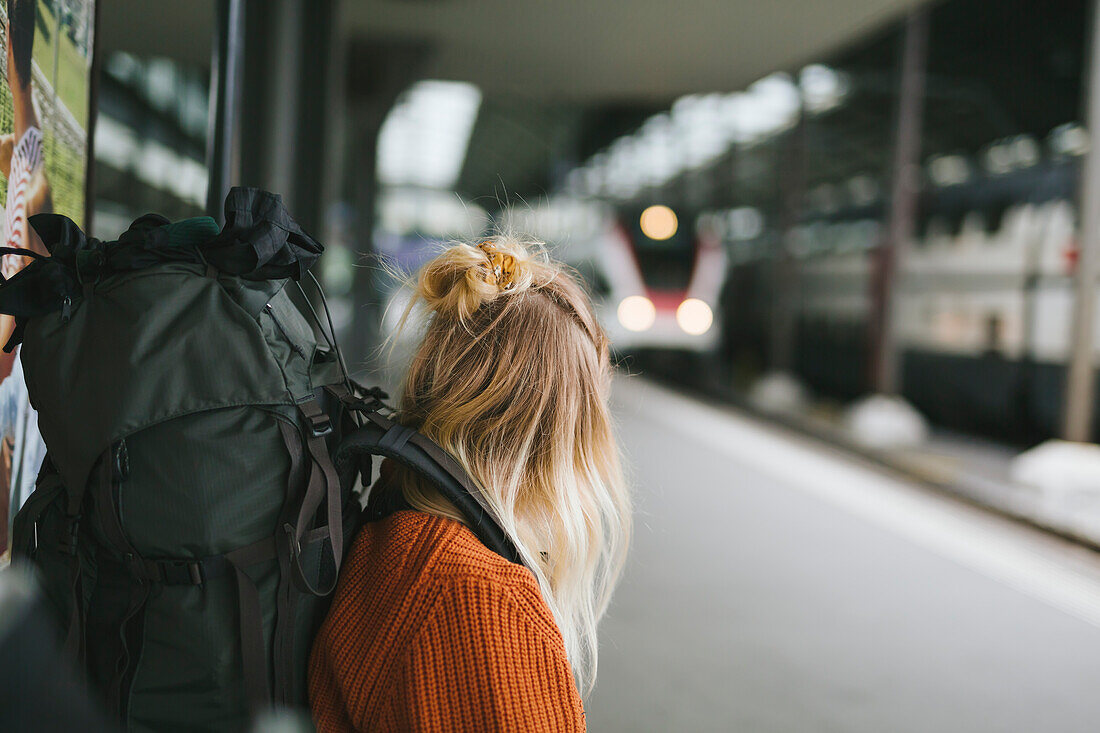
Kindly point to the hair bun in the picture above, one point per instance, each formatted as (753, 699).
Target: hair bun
(464, 277)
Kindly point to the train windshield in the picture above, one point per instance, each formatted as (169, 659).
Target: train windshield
(665, 264)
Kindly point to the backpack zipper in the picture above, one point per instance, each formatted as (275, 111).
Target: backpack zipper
(293, 345)
(120, 471)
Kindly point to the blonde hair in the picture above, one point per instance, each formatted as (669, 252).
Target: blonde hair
(512, 379)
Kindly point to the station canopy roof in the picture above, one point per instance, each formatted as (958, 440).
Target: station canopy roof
(625, 50)
(558, 79)
(561, 80)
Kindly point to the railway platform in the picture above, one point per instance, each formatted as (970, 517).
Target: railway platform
(777, 583)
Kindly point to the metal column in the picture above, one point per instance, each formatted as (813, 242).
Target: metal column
(1081, 380)
(905, 188)
(222, 150)
(792, 190)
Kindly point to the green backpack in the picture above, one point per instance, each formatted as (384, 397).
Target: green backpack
(188, 519)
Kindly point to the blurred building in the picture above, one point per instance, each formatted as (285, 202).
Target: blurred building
(150, 141)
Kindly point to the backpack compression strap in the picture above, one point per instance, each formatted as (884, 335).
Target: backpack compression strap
(323, 485)
(381, 436)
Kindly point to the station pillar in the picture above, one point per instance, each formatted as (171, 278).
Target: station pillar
(292, 113)
(378, 71)
(784, 274)
(904, 189)
(222, 139)
(885, 419)
(1080, 397)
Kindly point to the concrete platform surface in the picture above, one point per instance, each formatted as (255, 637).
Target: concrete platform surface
(778, 584)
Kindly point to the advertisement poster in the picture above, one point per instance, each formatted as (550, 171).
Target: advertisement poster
(44, 109)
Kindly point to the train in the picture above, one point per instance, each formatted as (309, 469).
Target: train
(983, 302)
(654, 277)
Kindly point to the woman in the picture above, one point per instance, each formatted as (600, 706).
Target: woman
(429, 629)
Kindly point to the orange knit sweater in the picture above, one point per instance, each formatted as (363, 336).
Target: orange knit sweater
(430, 630)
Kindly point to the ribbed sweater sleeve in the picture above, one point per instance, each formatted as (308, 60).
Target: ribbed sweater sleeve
(484, 660)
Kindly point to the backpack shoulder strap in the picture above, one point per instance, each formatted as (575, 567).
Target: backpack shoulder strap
(26, 541)
(382, 436)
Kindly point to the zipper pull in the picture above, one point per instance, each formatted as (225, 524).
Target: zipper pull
(122, 461)
(66, 309)
(294, 346)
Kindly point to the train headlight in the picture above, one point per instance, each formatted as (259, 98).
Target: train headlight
(637, 313)
(658, 222)
(694, 316)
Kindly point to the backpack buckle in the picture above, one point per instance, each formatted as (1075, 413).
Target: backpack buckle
(320, 425)
(181, 572)
(293, 545)
(364, 400)
(317, 419)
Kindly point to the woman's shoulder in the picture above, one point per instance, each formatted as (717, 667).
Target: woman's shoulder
(413, 555)
(429, 549)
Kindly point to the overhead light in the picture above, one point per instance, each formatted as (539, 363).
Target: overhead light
(116, 144)
(768, 106)
(700, 128)
(636, 313)
(948, 170)
(428, 213)
(694, 317)
(745, 222)
(822, 87)
(1069, 139)
(1025, 150)
(659, 222)
(1010, 154)
(424, 138)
